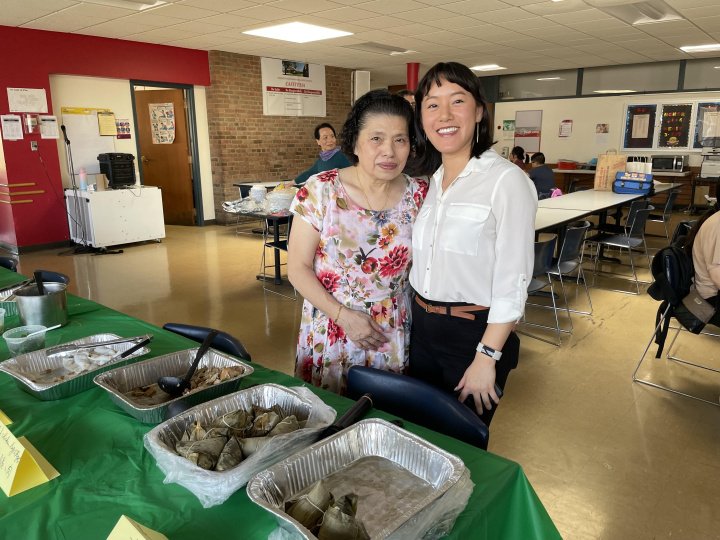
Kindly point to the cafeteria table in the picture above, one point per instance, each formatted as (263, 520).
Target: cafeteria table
(106, 472)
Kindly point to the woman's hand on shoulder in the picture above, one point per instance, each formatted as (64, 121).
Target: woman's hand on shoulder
(479, 382)
(362, 330)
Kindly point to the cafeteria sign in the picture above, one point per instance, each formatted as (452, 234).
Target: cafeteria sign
(21, 466)
(292, 88)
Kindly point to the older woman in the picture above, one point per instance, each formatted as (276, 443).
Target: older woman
(349, 253)
(331, 156)
(472, 244)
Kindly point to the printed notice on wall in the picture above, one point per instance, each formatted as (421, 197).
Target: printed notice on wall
(528, 126)
(11, 127)
(565, 129)
(122, 125)
(162, 122)
(292, 88)
(27, 100)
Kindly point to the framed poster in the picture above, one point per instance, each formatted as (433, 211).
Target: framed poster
(528, 126)
(707, 125)
(292, 88)
(639, 126)
(675, 122)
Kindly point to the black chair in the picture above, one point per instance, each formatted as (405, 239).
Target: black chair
(418, 402)
(633, 238)
(223, 342)
(665, 217)
(10, 264)
(622, 229)
(572, 184)
(570, 259)
(54, 277)
(541, 268)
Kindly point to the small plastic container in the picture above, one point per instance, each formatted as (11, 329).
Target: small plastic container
(83, 179)
(18, 343)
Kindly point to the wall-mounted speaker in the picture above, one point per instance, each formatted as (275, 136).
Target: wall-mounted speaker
(360, 82)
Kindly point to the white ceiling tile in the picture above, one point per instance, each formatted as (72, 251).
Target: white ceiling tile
(47, 6)
(166, 34)
(95, 10)
(264, 13)
(697, 12)
(303, 6)
(227, 20)
(507, 15)
(198, 27)
(691, 3)
(709, 24)
(457, 22)
(555, 8)
(150, 19)
(585, 15)
(61, 22)
(474, 7)
(384, 7)
(199, 41)
(410, 30)
(427, 15)
(178, 11)
(218, 5)
(530, 25)
(116, 29)
(347, 14)
(18, 15)
(379, 23)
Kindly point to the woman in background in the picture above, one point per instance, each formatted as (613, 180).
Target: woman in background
(473, 244)
(331, 156)
(349, 251)
(517, 156)
(703, 242)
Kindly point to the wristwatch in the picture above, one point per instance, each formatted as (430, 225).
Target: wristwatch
(489, 351)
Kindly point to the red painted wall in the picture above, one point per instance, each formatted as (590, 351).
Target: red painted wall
(28, 59)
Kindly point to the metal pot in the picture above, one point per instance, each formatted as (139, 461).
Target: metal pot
(47, 310)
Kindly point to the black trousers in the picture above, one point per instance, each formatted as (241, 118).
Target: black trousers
(442, 347)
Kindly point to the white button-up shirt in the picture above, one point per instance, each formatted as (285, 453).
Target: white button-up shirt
(474, 243)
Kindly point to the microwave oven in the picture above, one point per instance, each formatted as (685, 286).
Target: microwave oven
(669, 163)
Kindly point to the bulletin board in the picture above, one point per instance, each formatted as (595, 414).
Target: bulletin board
(675, 126)
(83, 131)
(640, 126)
(707, 125)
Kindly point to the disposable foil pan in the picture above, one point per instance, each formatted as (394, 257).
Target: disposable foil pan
(151, 410)
(213, 487)
(46, 378)
(394, 473)
(10, 307)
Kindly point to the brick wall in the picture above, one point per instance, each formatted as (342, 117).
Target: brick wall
(244, 144)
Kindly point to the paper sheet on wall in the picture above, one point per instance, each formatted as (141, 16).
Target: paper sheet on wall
(49, 127)
(27, 100)
(711, 124)
(106, 124)
(641, 126)
(11, 127)
(162, 122)
(86, 143)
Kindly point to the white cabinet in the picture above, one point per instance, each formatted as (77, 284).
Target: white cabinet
(116, 216)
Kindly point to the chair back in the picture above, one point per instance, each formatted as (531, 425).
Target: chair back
(634, 207)
(572, 184)
(638, 225)
(543, 256)
(681, 231)
(223, 341)
(572, 244)
(54, 277)
(10, 264)
(670, 202)
(418, 402)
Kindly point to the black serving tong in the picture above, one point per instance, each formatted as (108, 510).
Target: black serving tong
(353, 414)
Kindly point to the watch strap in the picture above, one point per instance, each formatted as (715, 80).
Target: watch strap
(489, 351)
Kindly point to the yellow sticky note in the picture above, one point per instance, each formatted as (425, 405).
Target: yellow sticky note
(127, 529)
(21, 466)
(5, 419)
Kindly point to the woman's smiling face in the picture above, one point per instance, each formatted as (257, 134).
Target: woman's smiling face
(449, 115)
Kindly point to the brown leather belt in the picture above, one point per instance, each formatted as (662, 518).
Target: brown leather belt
(464, 312)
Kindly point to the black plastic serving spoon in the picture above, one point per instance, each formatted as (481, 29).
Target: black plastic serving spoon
(175, 386)
(39, 282)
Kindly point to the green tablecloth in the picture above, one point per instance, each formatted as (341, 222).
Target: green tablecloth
(106, 472)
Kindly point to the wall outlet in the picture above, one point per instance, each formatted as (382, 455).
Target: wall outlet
(33, 146)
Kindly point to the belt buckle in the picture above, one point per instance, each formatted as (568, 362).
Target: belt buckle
(427, 308)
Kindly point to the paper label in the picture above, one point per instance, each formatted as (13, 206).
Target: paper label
(21, 466)
(127, 529)
(5, 419)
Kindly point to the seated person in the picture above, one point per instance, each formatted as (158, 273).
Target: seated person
(331, 157)
(517, 156)
(542, 176)
(704, 241)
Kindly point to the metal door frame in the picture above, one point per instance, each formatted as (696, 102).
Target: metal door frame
(189, 92)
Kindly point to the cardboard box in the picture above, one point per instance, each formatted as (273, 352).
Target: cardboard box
(700, 192)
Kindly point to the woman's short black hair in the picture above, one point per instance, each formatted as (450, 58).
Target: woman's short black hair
(375, 102)
(518, 152)
(320, 126)
(428, 159)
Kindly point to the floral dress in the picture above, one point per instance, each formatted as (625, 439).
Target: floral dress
(363, 260)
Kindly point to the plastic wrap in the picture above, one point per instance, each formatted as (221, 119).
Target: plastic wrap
(407, 487)
(212, 487)
(245, 206)
(280, 199)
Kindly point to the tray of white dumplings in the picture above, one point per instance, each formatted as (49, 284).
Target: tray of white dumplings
(56, 376)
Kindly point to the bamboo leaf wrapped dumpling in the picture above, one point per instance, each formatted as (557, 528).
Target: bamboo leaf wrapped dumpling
(251, 445)
(286, 425)
(340, 522)
(230, 456)
(264, 424)
(238, 422)
(309, 509)
(204, 453)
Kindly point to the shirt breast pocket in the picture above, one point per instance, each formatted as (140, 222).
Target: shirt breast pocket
(420, 225)
(462, 228)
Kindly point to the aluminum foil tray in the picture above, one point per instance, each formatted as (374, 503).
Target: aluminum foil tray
(47, 379)
(394, 473)
(213, 487)
(122, 381)
(10, 307)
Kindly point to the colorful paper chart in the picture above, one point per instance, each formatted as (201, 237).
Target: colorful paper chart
(127, 529)
(21, 466)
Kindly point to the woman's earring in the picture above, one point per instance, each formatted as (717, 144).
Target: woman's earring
(477, 132)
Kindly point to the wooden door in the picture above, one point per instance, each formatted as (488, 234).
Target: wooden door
(166, 165)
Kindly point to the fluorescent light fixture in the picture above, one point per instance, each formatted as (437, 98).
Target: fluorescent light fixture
(614, 91)
(549, 79)
(136, 5)
(489, 67)
(701, 48)
(297, 32)
(558, 0)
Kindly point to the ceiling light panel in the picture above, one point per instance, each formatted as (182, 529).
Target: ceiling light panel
(297, 32)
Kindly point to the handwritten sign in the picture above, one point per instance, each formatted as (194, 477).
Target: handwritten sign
(21, 466)
(127, 529)
(4, 419)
